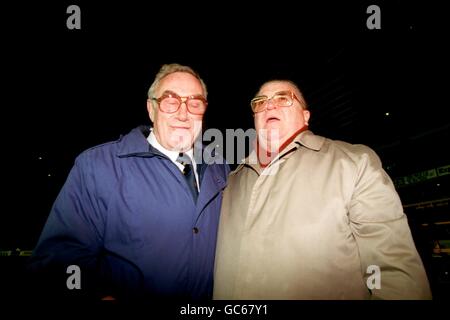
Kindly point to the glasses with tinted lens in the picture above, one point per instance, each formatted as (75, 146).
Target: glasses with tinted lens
(170, 102)
(279, 99)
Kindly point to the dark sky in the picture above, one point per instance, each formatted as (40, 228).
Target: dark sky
(66, 90)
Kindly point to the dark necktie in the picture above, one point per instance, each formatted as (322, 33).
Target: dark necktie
(189, 174)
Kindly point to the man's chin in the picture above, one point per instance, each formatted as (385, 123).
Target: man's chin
(270, 133)
(182, 145)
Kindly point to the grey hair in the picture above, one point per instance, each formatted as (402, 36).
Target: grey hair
(292, 83)
(167, 69)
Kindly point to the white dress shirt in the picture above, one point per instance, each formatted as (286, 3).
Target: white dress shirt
(173, 155)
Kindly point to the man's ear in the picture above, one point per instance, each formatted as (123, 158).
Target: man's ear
(151, 110)
(306, 115)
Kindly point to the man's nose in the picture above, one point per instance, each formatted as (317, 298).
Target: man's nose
(182, 113)
(271, 105)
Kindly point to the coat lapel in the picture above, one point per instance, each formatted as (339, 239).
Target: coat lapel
(211, 184)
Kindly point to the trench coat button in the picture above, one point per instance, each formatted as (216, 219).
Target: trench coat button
(195, 229)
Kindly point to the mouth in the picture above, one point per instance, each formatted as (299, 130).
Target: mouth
(272, 119)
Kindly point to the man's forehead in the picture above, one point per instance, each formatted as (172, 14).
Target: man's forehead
(276, 87)
(181, 83)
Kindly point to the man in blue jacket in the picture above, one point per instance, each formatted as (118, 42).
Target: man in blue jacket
(138, 217)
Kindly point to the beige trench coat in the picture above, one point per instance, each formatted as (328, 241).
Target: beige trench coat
(313, 225)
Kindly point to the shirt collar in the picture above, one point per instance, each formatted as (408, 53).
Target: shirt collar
(171, 154)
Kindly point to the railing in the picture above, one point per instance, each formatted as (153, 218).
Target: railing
(15, 253)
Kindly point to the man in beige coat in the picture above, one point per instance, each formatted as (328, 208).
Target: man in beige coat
(311, 218)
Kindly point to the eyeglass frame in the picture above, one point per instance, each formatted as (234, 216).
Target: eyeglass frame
(279, 93)
(181, 100)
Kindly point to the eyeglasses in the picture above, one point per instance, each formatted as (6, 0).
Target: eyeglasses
(170, 102)
(279, 99)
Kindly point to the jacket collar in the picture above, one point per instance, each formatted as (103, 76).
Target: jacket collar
(305, 138)
(135, 144)
(309, 140)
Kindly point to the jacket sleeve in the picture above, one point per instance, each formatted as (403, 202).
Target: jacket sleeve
(72, 235)
(383, 236)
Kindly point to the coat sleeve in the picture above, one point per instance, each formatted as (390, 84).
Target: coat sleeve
(383, 236)
(72, 235)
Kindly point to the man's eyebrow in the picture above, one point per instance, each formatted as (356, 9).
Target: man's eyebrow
(282, 92)
(278, 92)
(260, 96)
(168, 92)
(174, 93)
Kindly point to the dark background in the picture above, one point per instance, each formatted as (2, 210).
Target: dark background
(66, 90)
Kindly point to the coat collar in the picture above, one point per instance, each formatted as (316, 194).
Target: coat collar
(305, 138)
(308, 140)
(135, 144)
